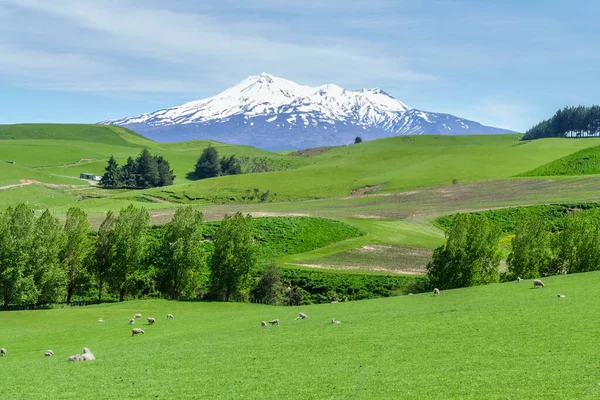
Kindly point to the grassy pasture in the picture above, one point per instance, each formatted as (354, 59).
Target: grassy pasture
(499, 341)
(583, 162)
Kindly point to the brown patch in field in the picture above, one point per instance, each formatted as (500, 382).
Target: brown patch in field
(362, 268)
(365, 189)
(315, 151)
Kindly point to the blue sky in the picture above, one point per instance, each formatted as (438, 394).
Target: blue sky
(507, 63)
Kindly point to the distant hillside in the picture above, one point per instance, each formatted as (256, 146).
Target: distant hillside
(583, 162)
(74, 132)
(58, 153)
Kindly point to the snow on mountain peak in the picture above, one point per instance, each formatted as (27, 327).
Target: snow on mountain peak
(267, 111)
(267, 95)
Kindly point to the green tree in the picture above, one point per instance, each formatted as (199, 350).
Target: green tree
(183, 268)
(358, 140)
(112, 175)
(147, 170)
(471, 255)
(129, 243)
(230, 166)
(531, 249)
(577, 246)
(49, 276)
(269, 289)
(75, 251)
(208, 165)
(129, 176)
(165, 174)
(17, 285)
(103, 254)
(233, 259)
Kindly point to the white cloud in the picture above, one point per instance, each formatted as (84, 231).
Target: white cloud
(108, 46)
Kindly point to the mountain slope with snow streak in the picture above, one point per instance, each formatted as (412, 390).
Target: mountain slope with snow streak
(274, 113)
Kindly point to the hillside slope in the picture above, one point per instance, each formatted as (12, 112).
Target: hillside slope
(583, 162)
(491, 342)
(388, 165)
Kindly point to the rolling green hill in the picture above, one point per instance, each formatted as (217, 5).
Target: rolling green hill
(414, 179)
(502, 341)
(388, 165)
(583, 162)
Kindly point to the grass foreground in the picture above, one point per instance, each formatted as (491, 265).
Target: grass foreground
(502, 341)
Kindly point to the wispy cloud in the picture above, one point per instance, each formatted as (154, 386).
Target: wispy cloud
(132, 48)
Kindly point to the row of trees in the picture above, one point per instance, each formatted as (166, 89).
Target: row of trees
(577, 121)
(471, 255)
(43, 261)
(209, 165)
(538, 252)
(144, 172)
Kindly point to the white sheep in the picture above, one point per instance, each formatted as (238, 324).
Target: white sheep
(48, 353)
(436, 291)
(76, 357)
(100, 320)
(137, 331)
(560, 296)
(263, 324)
(137, 316)
(169, 316)
(274, 322)
(537, 283)
(2, 352)
(335, 321)
(151, 320)
(302, 316)
(87, 355)
(132, 321)
(519, 279)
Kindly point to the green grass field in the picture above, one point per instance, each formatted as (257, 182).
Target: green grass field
(583, 162)
(503, 341)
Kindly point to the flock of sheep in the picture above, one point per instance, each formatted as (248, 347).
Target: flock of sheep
(88, 355)
(300, 316)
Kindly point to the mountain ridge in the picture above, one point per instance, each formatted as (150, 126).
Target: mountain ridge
(275, 113)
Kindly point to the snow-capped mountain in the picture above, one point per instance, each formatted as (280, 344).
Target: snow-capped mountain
(275, 113)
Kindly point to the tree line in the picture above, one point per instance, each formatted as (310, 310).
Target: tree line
(144, 172)
(577, 121)
(471, 255)
(43, 261)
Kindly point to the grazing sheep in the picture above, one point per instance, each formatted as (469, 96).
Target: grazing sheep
(137, 331)
(436, 291)
(334, 302)
(274, 322)
(87, 355)
(302, 316)
(519, 279)
(560, 296)
(2, 352)
(49, 353)
(410, 294)
(263, 324)
(151, 320)
(169, 316)
(335, 321)
(76, 357)
(537, 283)
(137, 316)
(100, 320)
(132, 321)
